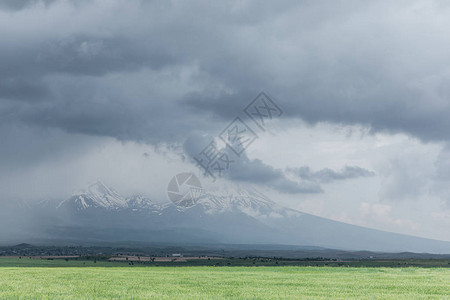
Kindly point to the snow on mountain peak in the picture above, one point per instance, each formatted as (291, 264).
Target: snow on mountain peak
(232, 198)
(237, 198)
(97, 195)
(139, 202)
(105, 196)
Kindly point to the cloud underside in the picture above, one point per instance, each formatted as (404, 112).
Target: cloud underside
(155, 71)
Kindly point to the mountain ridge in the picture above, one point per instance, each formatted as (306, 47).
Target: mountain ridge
(239, 215)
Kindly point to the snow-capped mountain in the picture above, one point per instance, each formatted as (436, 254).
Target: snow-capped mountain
(96, 195)
(233, 214)
(219, 200)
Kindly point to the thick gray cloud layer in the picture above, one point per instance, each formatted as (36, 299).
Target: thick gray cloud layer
(157, 70)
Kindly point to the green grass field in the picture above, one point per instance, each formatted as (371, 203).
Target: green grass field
(43, 279)
(234, 282)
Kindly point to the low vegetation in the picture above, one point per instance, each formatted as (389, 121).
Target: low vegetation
(61, 279)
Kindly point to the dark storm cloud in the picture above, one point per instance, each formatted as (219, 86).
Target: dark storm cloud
(157, 70)
(379, 65)
(328, 175)
(77, 65)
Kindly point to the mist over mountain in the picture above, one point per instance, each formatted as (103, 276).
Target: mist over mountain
(227, 215)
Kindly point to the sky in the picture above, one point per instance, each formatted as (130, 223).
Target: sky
(130, 92)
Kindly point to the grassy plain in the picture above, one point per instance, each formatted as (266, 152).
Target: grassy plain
(56, 279)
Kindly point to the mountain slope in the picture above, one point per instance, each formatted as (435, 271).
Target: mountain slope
(227, 215)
